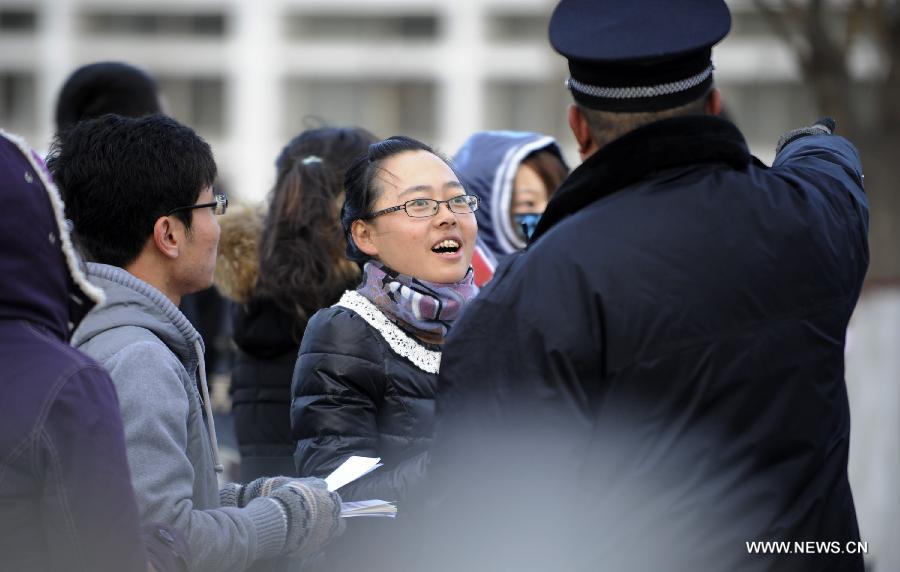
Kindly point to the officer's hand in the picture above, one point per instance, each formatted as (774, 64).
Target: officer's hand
(824, 126)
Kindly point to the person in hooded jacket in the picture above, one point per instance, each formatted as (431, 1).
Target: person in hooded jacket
(657, 381)
(514, 174)
(104, 87)
(65, 489)
(144, 212)
(281, 270)
(366, 376)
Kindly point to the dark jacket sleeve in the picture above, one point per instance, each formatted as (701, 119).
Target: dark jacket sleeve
(829, 163)
(338, 388)
(82, 452)
(830, 166)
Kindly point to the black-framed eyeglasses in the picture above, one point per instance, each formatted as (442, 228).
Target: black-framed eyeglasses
(423, 208)
(219, 206)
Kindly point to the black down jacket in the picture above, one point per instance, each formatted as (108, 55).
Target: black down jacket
(354, 394)
(266, 337)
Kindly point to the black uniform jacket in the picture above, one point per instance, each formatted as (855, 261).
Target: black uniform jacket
(658, 379)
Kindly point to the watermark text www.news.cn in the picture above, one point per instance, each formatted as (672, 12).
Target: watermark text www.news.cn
(808, 547)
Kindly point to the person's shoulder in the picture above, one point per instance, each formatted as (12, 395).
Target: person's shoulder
(337, 319)
(340, 329)
(52, 367)
(128, 338)
(139, 361)
(37, 348)
(547, 262)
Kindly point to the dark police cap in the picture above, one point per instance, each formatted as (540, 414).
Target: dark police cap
(638, 55)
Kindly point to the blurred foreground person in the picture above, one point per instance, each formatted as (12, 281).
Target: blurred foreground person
(281, 271)
(514, 174)
(141, 199)
(367, 372)
(658, 380)
(66, 501)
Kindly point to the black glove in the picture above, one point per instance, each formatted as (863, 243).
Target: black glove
(824, 126)
(314, 517)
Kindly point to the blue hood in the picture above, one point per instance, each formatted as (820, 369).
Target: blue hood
(487, 164)
(42, 281)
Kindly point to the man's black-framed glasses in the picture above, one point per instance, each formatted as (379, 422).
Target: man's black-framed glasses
(423, 208)
(219, 206)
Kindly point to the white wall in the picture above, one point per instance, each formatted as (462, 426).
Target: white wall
(873, 385)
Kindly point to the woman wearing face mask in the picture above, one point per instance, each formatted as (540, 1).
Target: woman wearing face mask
(514, 173)
(366, 375)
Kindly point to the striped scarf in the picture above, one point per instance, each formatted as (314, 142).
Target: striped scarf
(426, 309)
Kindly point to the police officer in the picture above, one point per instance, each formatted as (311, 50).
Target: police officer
(658, 380)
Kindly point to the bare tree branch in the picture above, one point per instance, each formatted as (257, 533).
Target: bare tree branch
(856, 19)
(890, 20)
(782, 28)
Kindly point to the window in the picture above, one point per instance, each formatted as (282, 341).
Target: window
(17, 20)
(529, 106)
(518, 27)
(362, 26)
(17, 102)
(384, 107)
(154, 24)
(198, 102)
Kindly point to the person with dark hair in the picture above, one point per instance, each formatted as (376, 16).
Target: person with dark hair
(514, 174)
(106, 87)
(367, 371)
(64, 480)
(281, 270)
(119, 88)
(657, 381)
(141, 200)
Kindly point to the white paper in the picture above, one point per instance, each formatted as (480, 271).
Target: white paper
(368, 508)
(350, 470)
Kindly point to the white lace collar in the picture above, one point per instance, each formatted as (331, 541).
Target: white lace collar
(427, 360)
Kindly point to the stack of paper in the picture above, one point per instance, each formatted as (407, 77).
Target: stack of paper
(368, 508)
(350, 470)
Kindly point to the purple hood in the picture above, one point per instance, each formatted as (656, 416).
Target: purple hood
(42, 281)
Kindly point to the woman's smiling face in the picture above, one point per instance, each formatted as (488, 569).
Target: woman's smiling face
(436, 248)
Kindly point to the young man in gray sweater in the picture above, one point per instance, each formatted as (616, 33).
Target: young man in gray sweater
(139, 193)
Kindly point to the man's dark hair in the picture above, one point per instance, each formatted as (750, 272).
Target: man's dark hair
(96, 89)
(118, 175)
(360, 189)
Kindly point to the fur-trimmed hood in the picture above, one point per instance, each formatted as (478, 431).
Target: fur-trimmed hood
(237, 263)
(43, 279)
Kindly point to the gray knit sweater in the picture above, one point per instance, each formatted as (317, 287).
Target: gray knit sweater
(153, 355)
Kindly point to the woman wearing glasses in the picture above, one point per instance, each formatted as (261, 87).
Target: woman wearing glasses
(366, 375)
(281, 269)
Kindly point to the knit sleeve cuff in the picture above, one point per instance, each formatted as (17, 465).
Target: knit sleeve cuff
(229, 494)
(270, 523)
(824, 126)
